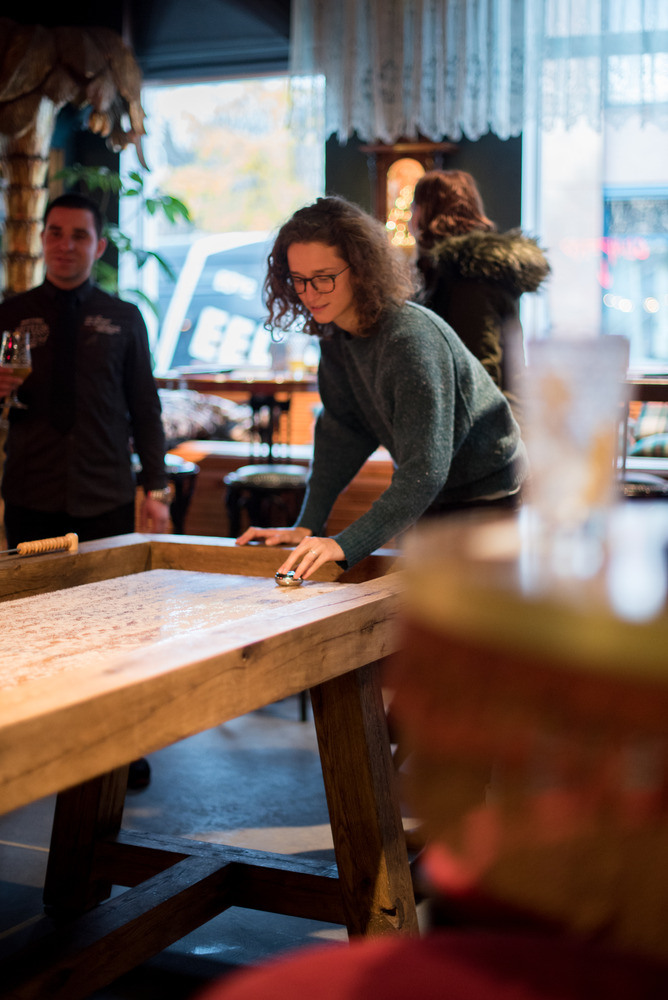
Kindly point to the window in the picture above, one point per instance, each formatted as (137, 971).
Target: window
(596, 195)
(227, 151)
(634, 270)
(601, 215)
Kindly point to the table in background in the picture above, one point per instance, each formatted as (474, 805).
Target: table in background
(76, 739)
(640, 471)
(262, 390)
(647, 388)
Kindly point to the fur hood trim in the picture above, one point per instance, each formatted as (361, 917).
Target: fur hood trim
(511, 258)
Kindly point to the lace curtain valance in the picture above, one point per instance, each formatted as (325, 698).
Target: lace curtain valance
(447, 68)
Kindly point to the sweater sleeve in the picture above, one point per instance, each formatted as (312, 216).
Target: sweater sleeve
(423, 453)
(410, 400)
(414, 389)
(339, 452)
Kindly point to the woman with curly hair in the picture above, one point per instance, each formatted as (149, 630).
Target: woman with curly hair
(473, 275)
(391, 373)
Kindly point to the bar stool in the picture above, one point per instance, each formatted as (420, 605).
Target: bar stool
(183, 476)
(271, 495)
(265, 430)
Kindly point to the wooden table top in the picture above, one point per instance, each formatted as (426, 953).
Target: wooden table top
(135, 642)
(243, 380)
(96, 626)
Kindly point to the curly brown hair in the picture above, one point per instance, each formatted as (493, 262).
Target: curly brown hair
(380, 276)
(449, 204)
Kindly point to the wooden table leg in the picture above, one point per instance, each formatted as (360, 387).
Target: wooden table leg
(84, 814)
(363, 801)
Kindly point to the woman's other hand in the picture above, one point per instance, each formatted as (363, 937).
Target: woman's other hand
(273, 536)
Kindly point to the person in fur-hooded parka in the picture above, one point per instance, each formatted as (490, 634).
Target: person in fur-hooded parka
(473, 276)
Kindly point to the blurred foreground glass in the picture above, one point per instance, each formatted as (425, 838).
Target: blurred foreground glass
(535, 721)
(575, 401)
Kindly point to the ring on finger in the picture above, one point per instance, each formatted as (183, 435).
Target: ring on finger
(313, 552)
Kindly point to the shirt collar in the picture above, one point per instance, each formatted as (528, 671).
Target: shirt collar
(81, 293)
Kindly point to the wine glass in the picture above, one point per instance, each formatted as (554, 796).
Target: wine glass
(15, 354)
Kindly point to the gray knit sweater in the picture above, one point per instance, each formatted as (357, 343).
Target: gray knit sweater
(414, 388)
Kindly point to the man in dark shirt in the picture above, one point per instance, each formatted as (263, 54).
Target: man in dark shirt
(91, 398)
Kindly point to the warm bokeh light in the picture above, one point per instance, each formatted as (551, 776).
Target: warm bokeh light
(402, 177)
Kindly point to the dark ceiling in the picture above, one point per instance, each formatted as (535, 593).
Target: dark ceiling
(173, 38)
(179, 39)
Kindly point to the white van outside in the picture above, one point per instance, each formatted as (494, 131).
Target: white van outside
(214, 314)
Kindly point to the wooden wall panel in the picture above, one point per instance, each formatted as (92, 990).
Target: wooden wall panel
(215, 459)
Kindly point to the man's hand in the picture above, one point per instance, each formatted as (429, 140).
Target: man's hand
(154, 516)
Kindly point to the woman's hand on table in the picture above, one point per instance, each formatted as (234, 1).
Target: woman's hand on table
(274, 536)
(310, 553)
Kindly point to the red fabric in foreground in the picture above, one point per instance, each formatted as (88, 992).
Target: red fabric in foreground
(450, 965)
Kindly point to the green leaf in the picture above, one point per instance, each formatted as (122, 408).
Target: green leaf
(161, 262)
(109, 182)
(106, 277)
(136, 295)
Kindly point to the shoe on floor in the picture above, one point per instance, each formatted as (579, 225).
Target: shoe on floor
(140, 774)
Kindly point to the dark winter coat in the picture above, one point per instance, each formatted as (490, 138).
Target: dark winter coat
(474, 281)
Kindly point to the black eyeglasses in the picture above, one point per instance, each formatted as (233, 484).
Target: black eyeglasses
(321, 282)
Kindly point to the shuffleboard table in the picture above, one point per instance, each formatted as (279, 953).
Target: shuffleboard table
(133, 643)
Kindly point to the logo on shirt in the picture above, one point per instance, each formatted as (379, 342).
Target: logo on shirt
(101, 324)
(37, 328)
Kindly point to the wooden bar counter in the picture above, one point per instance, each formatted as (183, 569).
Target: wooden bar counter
(133, 643)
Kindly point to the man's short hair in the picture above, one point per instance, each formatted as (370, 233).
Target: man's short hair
(73, 199)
